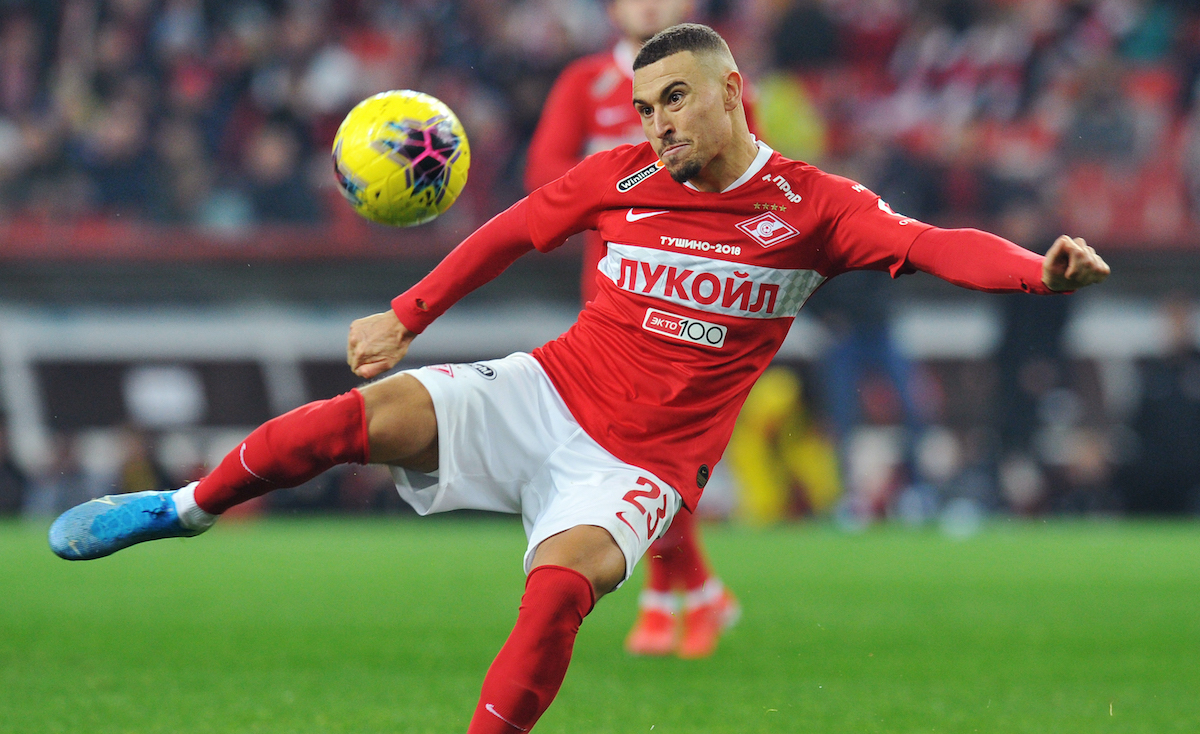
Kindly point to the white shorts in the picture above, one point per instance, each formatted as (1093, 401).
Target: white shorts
(507, 443)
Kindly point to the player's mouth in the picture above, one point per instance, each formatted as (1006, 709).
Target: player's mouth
(674, 149)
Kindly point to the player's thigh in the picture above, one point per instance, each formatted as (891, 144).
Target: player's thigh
(401, 423)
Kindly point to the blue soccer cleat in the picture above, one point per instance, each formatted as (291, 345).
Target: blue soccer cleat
(106, 525)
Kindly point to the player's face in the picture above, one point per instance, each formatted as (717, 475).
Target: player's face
(638, 20)
(683, 107)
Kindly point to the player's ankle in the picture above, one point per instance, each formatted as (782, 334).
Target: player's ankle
(660, 601)
(191, 515)
(707, 593)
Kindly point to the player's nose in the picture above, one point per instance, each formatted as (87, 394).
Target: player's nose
(664, 126)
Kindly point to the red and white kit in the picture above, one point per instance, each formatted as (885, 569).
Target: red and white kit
(508, 443)
(699, 289)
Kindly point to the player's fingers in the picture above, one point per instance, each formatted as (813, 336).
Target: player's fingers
(1076, 259)
(1056, 249)
(354, 343)
(1098, 269)
(371, 369)
(362, 357)
(354, 349)
(1090, 268)
(1061, 252)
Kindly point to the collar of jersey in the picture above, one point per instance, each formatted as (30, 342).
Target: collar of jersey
(756, 165)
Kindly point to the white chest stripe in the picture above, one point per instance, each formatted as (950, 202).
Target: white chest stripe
(715, 286)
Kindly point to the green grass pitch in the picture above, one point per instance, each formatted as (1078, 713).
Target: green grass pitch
(387, 625)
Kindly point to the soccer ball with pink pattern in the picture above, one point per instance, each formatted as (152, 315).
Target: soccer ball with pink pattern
(401, 158)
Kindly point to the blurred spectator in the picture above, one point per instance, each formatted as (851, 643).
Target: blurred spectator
(65, 482)
(1030, 367)
(277, 187)
(955, 103)
(1103, 124)
(139, 469)
(13, 482)
(1164, 476)
(116, 156)
(781, 463)
(188, 177)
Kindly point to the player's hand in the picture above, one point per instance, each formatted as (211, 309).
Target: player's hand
(1071, 264)
(376, 343)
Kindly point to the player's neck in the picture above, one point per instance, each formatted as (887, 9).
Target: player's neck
(728, 165)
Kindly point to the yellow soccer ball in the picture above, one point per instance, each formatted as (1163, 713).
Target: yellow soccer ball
(401, 157)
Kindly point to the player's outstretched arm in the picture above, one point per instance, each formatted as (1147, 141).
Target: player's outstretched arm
(1071, 264)
(983, 261)
(376, 344)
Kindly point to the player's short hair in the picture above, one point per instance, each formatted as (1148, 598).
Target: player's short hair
(692, 37)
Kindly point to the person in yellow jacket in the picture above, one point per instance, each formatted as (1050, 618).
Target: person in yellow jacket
(781, 462)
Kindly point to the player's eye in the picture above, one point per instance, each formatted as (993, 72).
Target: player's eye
(675, 98)
(645, 111)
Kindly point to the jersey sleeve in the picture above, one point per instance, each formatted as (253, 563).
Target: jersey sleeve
(978, 260)
(477, 260)
(863, 233)
(572, 203)
(558, 141)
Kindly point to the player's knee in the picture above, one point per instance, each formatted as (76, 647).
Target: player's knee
(401, 424)
(588, 549)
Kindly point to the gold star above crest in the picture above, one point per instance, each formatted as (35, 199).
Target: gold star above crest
(758, 206)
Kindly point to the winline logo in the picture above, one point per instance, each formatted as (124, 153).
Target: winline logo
(632, 180)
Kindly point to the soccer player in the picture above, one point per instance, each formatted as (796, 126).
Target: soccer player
(588, 111)
(598, 437)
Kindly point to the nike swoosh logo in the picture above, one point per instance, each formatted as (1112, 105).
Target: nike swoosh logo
(492, 710)
(621, 517)
(631, 217)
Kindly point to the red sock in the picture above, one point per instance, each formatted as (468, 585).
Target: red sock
(679, 555)
(658, 571)
(526, 675)
(287, 451)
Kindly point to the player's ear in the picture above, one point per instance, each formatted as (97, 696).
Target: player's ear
(734, 85)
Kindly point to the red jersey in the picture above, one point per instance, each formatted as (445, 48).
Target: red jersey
(697, 289)
(589, 109)
(697, 294)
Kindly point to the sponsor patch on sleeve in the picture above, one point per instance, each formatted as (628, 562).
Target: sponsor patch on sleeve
(684, 328)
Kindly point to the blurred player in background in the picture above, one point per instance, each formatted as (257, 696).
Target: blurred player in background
(588, 111)
(598, 437)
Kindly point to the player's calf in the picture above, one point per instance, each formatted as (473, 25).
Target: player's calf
(527, 673)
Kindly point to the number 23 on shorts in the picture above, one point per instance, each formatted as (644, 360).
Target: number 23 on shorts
(654, 511)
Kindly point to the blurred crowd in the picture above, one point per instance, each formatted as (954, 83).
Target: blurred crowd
(87, 464)
(220, 113)
(1024, 117)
